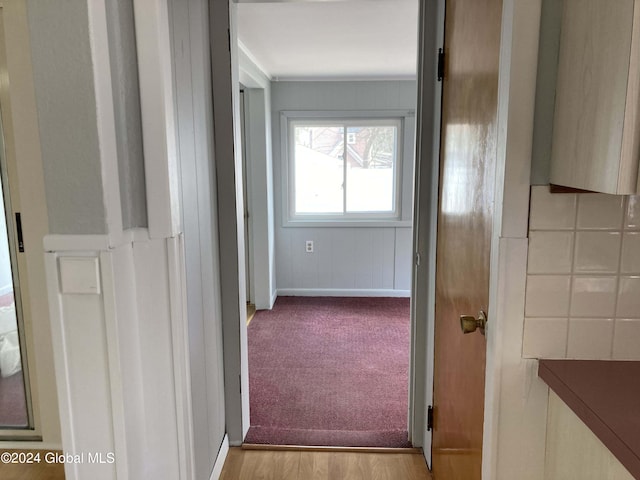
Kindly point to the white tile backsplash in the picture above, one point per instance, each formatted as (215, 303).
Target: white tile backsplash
(550, 252)
(590, 338)
(632, 213)
(552, 212)
(626, 339)
(599, 212)
(547, 296)
(597, 252)
(630, 262)
(545, 338)
(628, 298)
(583, 283)
(593, 296)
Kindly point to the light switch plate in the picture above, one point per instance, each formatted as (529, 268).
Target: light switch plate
(79, 275)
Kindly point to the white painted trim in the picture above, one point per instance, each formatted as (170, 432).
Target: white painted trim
(379, 78)
(274, 297)
(74, 243)
(181, 366)
(159, 133)
(60, 359)
(242, 49)
(227, 151)
(99, 42)
(342, 292)
(426, 180)
(316, 222)
(220, 459)
(515, 400)
(114, 307)
(70, 243)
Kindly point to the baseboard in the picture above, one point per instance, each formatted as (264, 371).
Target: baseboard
(320, 448)
(220, 459)
(342, 292)
(274, 297)
(29, 445)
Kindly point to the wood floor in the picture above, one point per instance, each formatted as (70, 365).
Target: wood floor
(276, 465)
(33, 471)
(307, 465)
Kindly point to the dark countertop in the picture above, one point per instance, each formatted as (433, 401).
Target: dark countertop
(605, 395)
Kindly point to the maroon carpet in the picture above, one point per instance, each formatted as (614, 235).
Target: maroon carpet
(330, 371)
(13, 406)
(13, 409)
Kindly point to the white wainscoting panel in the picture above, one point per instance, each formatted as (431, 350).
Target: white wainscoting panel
(344, 258)
(121, 361)
(82, 371)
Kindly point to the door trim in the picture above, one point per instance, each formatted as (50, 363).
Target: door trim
(425, 215)
(225, 65)
(515, 400)
(22, 140)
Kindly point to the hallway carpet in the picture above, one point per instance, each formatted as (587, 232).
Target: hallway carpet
(330, 371)
(13, 407)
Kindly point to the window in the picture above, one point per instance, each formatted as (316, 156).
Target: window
(342, 169)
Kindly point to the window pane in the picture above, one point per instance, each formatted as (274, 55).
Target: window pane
(371, 158)
(319, 169)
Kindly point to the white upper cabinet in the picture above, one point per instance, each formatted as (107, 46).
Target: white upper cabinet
(596, 130)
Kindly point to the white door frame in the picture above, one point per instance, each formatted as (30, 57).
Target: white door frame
(425, 214)
(22, 142)
(505, 415)
(432, 22)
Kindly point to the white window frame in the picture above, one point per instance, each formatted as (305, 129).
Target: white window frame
(404, 160)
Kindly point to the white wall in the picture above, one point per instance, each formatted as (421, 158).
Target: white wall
(190, 33)
(573, 450)
(66, 114)
(124, 74)
(346, 260)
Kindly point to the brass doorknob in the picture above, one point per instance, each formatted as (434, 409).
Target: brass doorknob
(470, 324)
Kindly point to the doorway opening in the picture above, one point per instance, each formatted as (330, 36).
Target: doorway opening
(332, 117)
(14, 384)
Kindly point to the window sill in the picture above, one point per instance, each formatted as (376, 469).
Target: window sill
(333, 223)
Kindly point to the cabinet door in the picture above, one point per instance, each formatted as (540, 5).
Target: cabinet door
(595, 136)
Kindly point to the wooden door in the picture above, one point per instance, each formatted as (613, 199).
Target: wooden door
(465, 214)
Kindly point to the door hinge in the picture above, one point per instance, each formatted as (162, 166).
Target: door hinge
(429, 418)
(418, 258)
(440, 64)
(19, 232)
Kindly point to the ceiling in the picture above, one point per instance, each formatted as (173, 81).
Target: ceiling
(353, 39)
